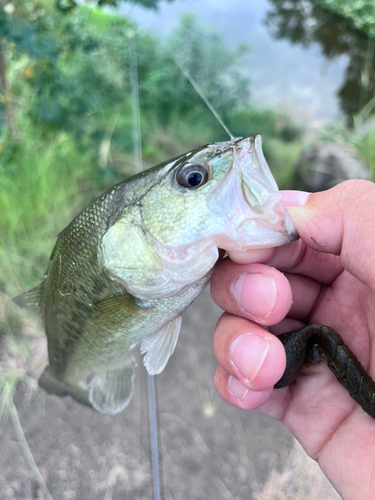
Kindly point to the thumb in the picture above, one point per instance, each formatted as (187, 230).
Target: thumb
(341, 221)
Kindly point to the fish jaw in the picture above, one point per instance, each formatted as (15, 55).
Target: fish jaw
(254, 213)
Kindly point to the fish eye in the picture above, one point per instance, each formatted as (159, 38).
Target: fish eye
(192, 175)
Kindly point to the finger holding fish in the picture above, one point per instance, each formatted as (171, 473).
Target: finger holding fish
(262, 293)
(248, 352)
(254, 291)
(252, 359)
(236, 393)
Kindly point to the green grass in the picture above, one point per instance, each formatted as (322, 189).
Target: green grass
(360, 141)
(282, 157)
(42, 185)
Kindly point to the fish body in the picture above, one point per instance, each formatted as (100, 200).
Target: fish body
(123, 271)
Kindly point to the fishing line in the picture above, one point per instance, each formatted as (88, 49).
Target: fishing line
(137, 137)
(200, 92)
(138, 166)
(154, 435)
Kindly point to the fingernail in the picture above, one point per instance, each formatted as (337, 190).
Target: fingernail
(247, 354)
(236, 388)
(295, 198)
(256, 294)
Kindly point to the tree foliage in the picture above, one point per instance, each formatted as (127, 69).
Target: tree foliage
(360, 13)
(165, 89)
(77, 72)
(70, 73)
(305, 22)
(39, 30)
(67, 5)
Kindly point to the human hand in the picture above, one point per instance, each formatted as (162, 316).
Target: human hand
(330, 274)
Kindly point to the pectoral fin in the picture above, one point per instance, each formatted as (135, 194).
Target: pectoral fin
(112, 313)
(111, 391)
(160, 346)
(31, 300)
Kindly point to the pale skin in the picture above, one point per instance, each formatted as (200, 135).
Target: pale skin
(327, 277)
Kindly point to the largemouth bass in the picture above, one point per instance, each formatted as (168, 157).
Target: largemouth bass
(123, 271)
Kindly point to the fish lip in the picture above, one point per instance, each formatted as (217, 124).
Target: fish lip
(249, 194)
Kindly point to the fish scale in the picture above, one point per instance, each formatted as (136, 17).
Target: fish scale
(66, 305)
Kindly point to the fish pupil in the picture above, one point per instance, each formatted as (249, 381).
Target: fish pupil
(192, 175)
(194, 179)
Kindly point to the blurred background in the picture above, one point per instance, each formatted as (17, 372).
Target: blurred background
(300, 71)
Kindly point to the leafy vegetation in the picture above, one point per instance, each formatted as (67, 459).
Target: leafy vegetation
(360, 13)
(67, 5)
(360, 141)
(69, 133)
(310, 22)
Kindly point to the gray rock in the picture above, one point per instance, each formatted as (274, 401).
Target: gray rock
(322, 166)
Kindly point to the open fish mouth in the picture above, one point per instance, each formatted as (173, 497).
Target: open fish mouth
(249, 200)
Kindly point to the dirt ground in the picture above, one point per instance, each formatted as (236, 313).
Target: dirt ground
(209, 449)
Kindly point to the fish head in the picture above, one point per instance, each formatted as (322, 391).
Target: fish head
(218, 196)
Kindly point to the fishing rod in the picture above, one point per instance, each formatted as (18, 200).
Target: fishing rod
(138, 165)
